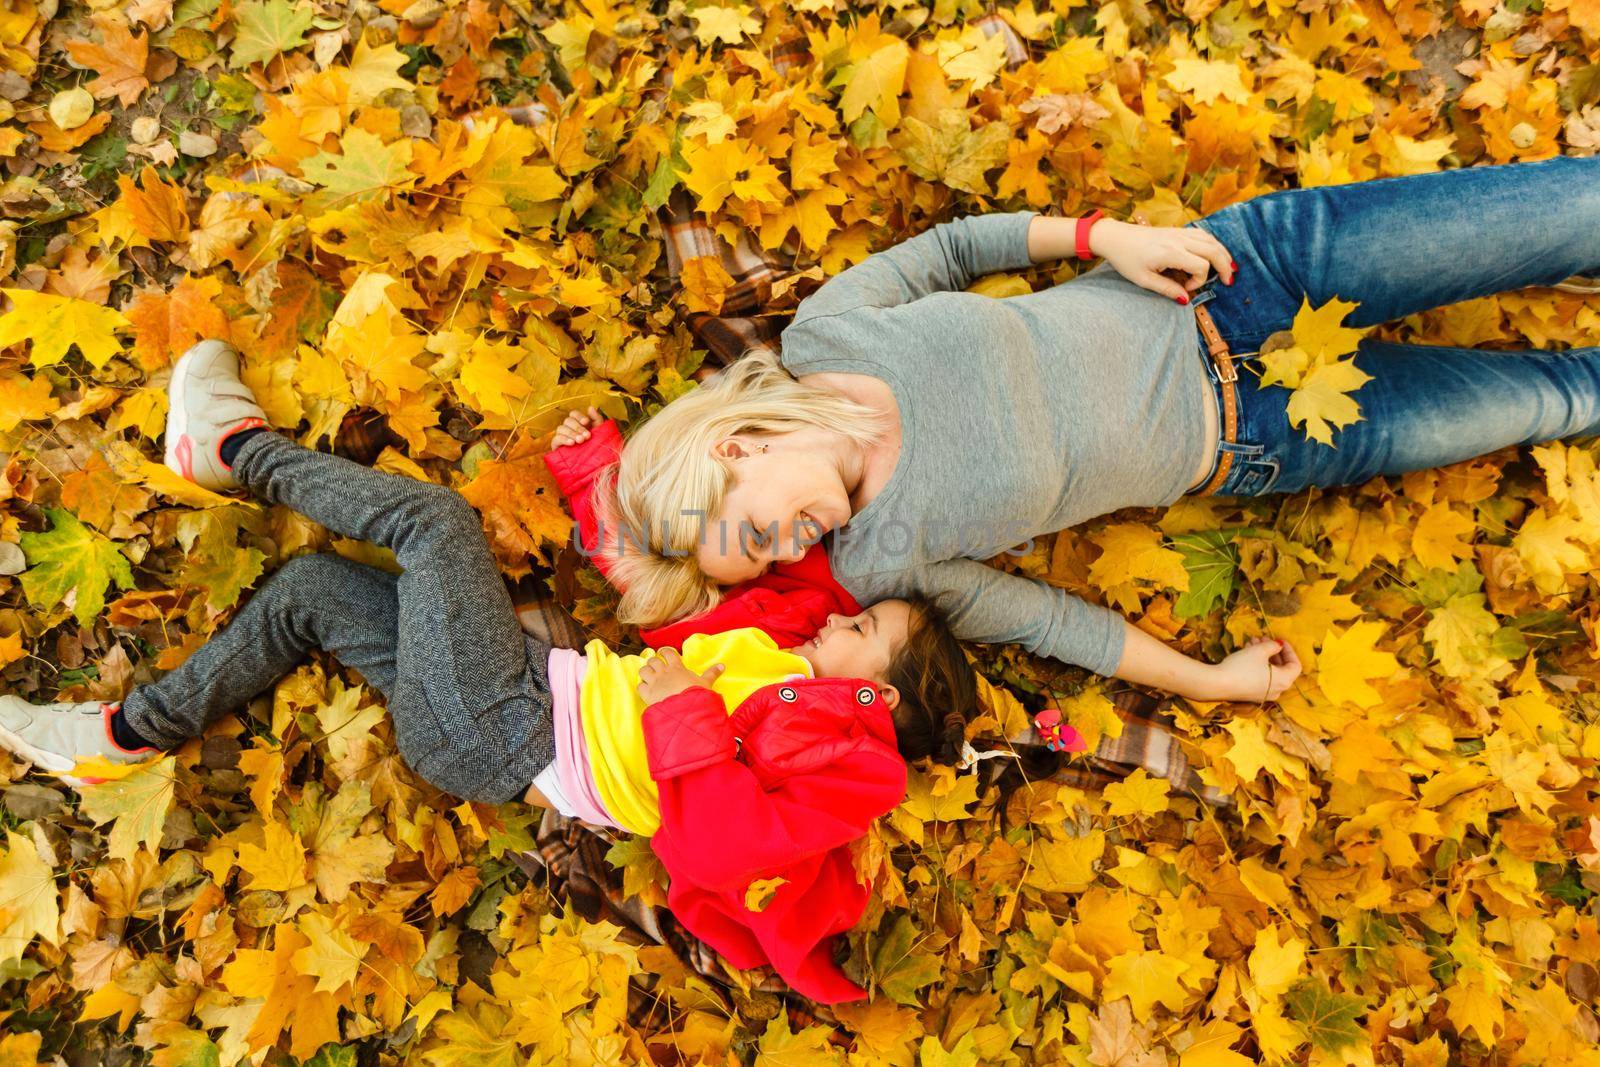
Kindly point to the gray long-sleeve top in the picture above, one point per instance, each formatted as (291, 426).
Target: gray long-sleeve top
(1019, 417)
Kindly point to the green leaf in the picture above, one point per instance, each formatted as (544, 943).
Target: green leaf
(952, 152)
(333, 1056)
(781, 1047)
(215, 562)
(364, 167)
(1582, 89)
(1213, 565)
(1328, 1019)
(139, 803)
(897, 968)
(639, 865)
(268, 29)
(70, 559)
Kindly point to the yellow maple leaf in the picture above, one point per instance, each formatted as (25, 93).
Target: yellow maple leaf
(1319, 331)
(488, 376)
(1323, 402)
(1207, 79)
(973, 56)
(1437, 538)
(729, 24)
(24, 399)
(1349, 96)
(1545, 544)
(332, 957)
(374, 71)
(55, 323)
(705, 283)
(1137, 794)
(1349, 661)
(1146, 979)
(28, 898)
(876, 82)
(1064, 865)
(1409, 155)
(1460, 632)
(730, 169)
(1277, 961)
(139, 803)
(1251, 753)
(1132, 554)
(279, 862)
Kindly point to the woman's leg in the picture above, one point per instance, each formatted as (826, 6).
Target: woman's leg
(1402, 245)
(1426, 406)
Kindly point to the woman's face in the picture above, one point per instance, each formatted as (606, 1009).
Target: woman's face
(782, 501)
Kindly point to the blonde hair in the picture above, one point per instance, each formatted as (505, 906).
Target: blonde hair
(668, 487)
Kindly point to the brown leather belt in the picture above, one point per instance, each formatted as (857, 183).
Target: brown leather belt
(1218, 348)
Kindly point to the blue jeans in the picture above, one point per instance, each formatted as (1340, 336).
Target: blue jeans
(1398, 246)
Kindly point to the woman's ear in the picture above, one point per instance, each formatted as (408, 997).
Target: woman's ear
(729, 448)
(890, 695)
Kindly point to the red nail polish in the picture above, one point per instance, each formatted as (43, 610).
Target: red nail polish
(1232, 265)
(1183, 300)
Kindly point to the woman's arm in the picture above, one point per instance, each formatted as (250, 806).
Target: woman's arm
(1260, 671)
(952, 255)
(1138, 253)
(943, 258)
(985, 604)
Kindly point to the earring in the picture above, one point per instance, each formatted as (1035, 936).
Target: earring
(763, 448)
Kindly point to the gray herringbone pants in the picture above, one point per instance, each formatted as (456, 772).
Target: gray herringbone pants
(466, 687)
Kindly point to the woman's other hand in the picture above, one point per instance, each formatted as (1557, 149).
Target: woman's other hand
(575, 429)
(664, 675)
(1259, 672)
(1141, 253)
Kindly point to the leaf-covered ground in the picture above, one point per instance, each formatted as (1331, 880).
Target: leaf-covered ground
(1408, 874)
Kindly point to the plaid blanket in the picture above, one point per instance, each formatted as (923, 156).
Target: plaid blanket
(570, 855)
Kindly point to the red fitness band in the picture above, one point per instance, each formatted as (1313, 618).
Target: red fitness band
(1083, 233)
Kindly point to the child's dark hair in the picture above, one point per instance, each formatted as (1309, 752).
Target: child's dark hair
(938, 694)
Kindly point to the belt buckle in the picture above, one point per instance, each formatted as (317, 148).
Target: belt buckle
(1225, 370)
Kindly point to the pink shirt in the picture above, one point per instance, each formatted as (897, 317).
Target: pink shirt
(569, 782)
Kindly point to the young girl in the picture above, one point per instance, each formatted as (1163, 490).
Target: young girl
(481, 709)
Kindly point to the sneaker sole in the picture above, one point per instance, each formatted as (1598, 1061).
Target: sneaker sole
(179, 446)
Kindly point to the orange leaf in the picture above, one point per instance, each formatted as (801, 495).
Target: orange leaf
(120, 60)
(159, 211)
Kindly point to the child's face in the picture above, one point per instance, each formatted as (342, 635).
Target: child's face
(860, 646)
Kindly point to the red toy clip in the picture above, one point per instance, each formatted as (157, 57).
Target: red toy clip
(1058, 736)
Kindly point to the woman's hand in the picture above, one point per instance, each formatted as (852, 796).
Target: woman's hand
(575, 429)
(1141, 253)
(664, 675)
(1257, 673)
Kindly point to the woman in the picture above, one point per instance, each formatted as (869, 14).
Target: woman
(928, 429)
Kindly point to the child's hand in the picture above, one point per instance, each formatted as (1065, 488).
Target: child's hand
(575, 429)
(664, 675)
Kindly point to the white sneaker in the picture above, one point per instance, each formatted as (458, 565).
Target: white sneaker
(56, 737)
(206, 403)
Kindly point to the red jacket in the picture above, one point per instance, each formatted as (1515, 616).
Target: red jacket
(779, 789)
(791, 601)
